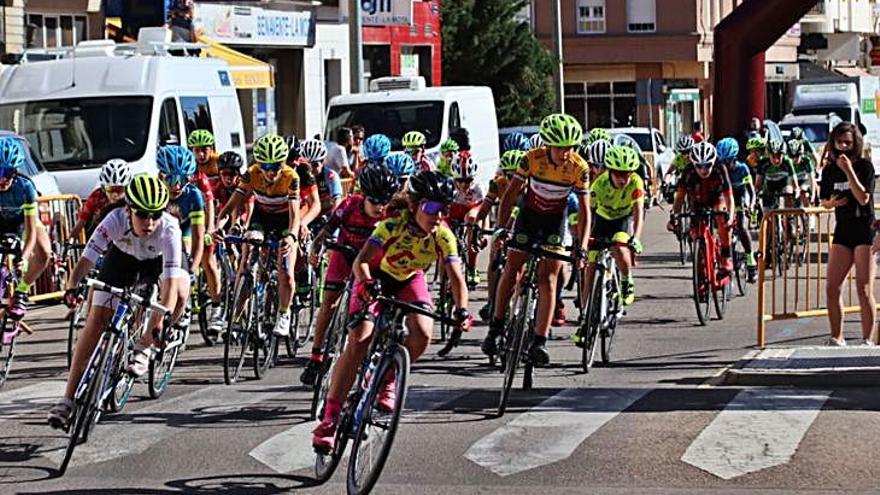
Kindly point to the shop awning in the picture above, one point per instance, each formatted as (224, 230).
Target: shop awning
(247, 72)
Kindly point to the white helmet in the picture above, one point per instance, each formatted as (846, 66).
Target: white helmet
(535, 141)
(597, 152)
(313, 150)
(703, 154)
(115, 172)
(463, 165)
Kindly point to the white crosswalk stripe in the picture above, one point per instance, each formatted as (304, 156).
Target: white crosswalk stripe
(758, 429)
(551, 431)
(22, 401)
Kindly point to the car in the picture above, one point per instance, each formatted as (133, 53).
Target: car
(653, 145)
(44, 181)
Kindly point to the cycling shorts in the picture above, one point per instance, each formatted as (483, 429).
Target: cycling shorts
(124, 271)
(413, 290)
(338, 271)
(854, 233)
(548, 230)
(273, 225)
(619, 231)
(12, 227)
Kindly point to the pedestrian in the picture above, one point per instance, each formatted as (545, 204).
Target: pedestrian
(698, 132)
(847, 186)
(339, 153)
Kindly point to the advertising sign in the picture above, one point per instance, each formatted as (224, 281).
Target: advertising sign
(239, 25)
(386, 12)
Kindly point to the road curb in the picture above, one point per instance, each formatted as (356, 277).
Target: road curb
(806, 367)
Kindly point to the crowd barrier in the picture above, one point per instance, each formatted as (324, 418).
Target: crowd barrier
(58, 214)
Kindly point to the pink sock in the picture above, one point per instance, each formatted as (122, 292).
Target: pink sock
(332, 410)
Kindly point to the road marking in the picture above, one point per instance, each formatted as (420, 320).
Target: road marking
(758, 429)
(551, 431)
(29, 399)
(148, 426)
(291, 449)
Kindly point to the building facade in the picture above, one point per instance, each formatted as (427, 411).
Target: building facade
(49, 23)
(401, 46)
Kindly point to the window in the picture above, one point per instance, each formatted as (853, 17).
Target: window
(641, 16)
(454, 116)
(392, 119)
(591, 16)
(169, 126)
(602, 104)
(196, 114)
(53, 31)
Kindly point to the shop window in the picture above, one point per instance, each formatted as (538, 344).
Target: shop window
(53, 31)
(641, 16)
(591, 16)
(602, 104)
(169, 126)
(196, 114)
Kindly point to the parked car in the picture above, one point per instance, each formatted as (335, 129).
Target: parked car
(655, 150)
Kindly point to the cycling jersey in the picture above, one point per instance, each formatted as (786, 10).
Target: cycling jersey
(464, 202)
(191, 208)
(784, 172)
(804, 169)
(329, 188)
(95, 203)
(424, 163)
(753, 161)
(613, 203)
(223, 194)
(740, 176)
(17, 202)
(705, 192)
(548, 184)
(680, 162)
(352, 220)
(274, 197)
(307, 182)
(497, 188)
(205, 185)
(408, 250)
(164, 242)
(444, 167)
(209, 168)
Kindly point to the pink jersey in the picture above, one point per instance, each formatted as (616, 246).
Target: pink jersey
(353, 222)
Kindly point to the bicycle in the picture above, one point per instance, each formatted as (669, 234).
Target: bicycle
(740, 267)
(519, 331)
(361, 421)
(77, 314)
(10, 252)
(604, 306)
(706, 276)
(306, 303)
(100, 383)
(254, 304)
(336, 335)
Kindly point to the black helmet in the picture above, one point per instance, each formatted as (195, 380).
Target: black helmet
(293, 145)
(378, 183)
(431, 186)
(229, 160)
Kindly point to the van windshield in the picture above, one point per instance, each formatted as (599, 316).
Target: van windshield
(394, 119)
(81, 132)
(814, 133)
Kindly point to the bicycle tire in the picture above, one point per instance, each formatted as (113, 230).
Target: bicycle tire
(399, 361)
(739, 268)
(721, 298)
(515, 340)
(162, 369)
(334, 345)
(260, 338)
(327, 462)
(302, 321)
(122, 381)
(7, 356)
(236, 340)
(700, 286)
(606, 335)
(77, 321)
(591, 323)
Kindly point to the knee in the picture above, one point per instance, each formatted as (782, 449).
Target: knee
(832, 291)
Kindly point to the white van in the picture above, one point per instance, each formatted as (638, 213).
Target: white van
(79, 107)
(395, 106)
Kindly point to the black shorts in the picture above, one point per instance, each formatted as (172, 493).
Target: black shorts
(532, 227)
(273, 225)
(12, 227)
(606, 229)
(123, 270)
(856, 232)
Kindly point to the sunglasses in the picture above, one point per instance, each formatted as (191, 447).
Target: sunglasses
(145, 215)
(172, 180)
(270, 167)
(703, 166)
(433, 207)
(378, 201)
(228, 175)
(114, 190)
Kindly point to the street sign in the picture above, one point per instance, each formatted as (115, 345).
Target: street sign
(386, 12)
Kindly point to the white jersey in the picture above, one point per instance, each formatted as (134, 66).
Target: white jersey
(473, 197)
(164, 242)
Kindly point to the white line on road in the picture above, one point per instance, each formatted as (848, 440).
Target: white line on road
(14, 403)
(551, 431)
(291, 449)
(758, 429)
(149, 425)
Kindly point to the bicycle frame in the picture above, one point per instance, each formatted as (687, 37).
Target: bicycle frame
(702, 230)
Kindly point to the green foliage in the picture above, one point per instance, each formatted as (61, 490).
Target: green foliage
(484, 45)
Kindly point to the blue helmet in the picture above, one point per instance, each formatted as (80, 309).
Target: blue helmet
(11, 153)
(377, 147)
(516, 141)
(401, 164)
(727, 149)
(175, 160)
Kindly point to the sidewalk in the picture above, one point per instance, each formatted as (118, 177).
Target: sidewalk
(853, 366)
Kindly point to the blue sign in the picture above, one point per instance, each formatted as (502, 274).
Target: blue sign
(224, 78)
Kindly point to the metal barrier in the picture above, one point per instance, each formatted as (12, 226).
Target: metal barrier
(58, 214)
(794, 280)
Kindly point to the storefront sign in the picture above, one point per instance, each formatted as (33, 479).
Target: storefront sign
(680, 95)
(386, 12)
(409, 64)
(233, 25)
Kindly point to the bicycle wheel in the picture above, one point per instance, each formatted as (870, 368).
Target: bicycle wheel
(238, 330)
(740, 269)
(77, 321)
(121, 381)
(515, 335)
(162, 366)
(203, 302)
(611, 292)
(721, 295)
(375, 433)
(303, 318)
(700, 282)
(591, 322)
(442, 303)
(327, 462)
(7, 355)
(263, 338)
(334, 344)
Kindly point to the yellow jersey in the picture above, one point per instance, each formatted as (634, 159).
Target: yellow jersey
(613, 203)
(407, 249)
(497, 188)
(270, 197)
(549, 184)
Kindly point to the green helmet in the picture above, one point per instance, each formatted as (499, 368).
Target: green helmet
(755, 143)
(510, 160)
(146, 193)
(776, 147)
(596, 134)
(622, 158)
(200, 138)
(271, 148)
(561, 131)
(413, 139)
(449, 145)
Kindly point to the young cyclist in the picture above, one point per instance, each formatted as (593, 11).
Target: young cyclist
(447, 150)
(805, 170)
(309, 198)
(404, 246)
(465, 204)
(797, 134)
(755, 148)
(595, 157)
(139, 242)
(547, 175)
(275, 187)
(355, 219)
(535, 141)
(201, 143)
(114, 176)
(176, 164)
(328, 182)
(743, 195)
(229, 166)
(18, 216)
(618, 197)
(598, 134)
(707, 186)
(402, 166)
(682, 157)
(376, 148)
(776, 176)
(414, 145)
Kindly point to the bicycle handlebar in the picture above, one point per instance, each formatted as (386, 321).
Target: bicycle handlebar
(234, 239)
(126, 295)
(539, 251)
(412, 308)
(345, 250)
(701, 213)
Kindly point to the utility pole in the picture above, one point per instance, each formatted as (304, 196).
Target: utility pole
(356, 52)
(559, 79)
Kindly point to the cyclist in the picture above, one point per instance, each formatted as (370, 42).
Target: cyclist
(465, 204)
(112, 180)
(727, 150)
(516, 141)
(402, 166)
(405, 246)
(755, 147)
(229, 166)
(309, 197)
(328, 182)
(18, 216)
(595, 156)
(546, 175)
(805, 169)
(176, 164)
(275, 185)
(706, 186)
(776, 176)
(414, 145)
(797, 133)
(447, 150)
(618, 197)
(355, 219)
(201, 143)
(682, 157)
(376, 148)
(138, 242)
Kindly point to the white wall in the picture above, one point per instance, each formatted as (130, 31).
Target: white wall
(331, 42)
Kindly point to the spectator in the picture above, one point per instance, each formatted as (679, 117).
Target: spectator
(698, 132)
(181, 24)
(357, 154)
(339, 153)
(847, 186)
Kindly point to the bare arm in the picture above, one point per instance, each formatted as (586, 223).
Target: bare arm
(459, 287)
(514, 190)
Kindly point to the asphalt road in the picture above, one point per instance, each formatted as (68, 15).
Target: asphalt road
(652, 422)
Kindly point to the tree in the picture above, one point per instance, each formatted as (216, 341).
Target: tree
(484, 45)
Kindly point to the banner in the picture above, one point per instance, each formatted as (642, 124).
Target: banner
(236, 25)
(386, 12)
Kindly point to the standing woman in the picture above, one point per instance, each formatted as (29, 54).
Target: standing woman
(847, 186)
